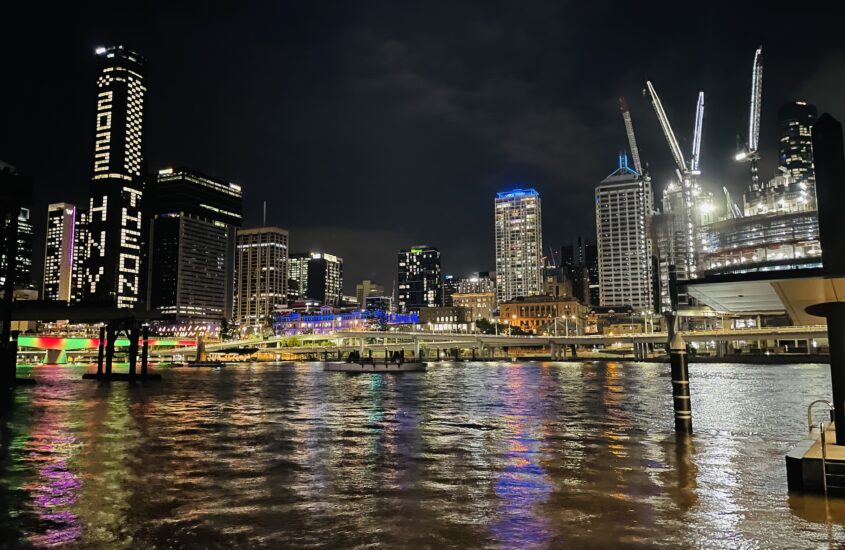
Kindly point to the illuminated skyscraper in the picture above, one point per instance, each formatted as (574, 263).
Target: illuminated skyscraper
(519, 244)
(113, 271)
(796, 120)
(80, 251)
(58, 252)
(624, 206)
(193, 225)
(419, 278)
(13, 184)
(261, 275)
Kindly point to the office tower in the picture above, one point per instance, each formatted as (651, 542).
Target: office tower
(365, 289)
(519, 244)
(80, 249)
(449, 286)
(298, 275)
(16, 195)
(325, 278)
(624, 206)
(315, 276)
(113, 271)
(193, 220)
(419, 278)
(795, 158)
(261, 279)
(58, 252)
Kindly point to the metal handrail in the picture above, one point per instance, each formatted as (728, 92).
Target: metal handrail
(822, 435)
(810, 411)
(823, 443)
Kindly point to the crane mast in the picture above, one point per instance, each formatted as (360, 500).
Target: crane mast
(667, 131)
(751, 154)
(696, 136)
(632, 140)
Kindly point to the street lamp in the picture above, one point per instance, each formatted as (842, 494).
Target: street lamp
(510, 327)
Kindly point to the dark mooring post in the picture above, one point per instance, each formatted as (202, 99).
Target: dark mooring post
(111, 335)
(145, 349)
(134, 336)
(680, 384)
(101, 350)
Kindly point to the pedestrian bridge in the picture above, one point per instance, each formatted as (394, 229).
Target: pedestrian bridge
(378, 341)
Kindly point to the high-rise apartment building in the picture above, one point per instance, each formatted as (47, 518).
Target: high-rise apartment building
(113, 271)
(519, 244)
(483, 281)
(58, 252)
(624, 206)
(795, 149)
(193, 220)
(419, 278)
(261, 275)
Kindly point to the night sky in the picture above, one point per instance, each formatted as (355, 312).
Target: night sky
(372, 126)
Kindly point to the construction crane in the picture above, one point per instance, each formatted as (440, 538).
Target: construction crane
(686, 177)
(682, 169)
(751, 153)
(696, 136)
(632, 140)
(734, 211)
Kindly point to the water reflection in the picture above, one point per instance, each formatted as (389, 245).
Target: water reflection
(464, 455)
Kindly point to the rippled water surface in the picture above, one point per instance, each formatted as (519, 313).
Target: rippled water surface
(464, 455)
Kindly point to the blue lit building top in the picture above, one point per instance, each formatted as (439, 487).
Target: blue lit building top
(517, 193)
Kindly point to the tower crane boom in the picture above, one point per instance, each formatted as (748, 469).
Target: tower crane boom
(632, 140)
(751, 153)
(696, 136)
(667, 129)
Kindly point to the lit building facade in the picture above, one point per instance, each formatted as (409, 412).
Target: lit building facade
(483, 281)
(193, 226)
(58, 252)
(80, 251)
(795, 148)
(519, 244)
(624, 206)
(261, 276)
(545, 315)
(479, 305)
(115, 255)
(419, 278)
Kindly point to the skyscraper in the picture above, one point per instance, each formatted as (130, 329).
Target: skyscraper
(193, 225)
(58, 252)
(261, 275)
(80, 251)
(419, 278)
(519, 244)
(14, 210)
(315, 276)
(325, 278)
(624, 206)
(113, 271)
(795, 121)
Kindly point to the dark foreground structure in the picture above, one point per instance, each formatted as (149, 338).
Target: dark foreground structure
(819, 465)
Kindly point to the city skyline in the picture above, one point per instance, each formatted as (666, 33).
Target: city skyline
(545, 118)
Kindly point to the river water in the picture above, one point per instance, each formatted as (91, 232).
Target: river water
(489, 455)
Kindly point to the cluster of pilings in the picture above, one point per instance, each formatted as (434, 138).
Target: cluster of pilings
(135, 332)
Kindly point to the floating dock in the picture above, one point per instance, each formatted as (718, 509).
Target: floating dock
(808, 470)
